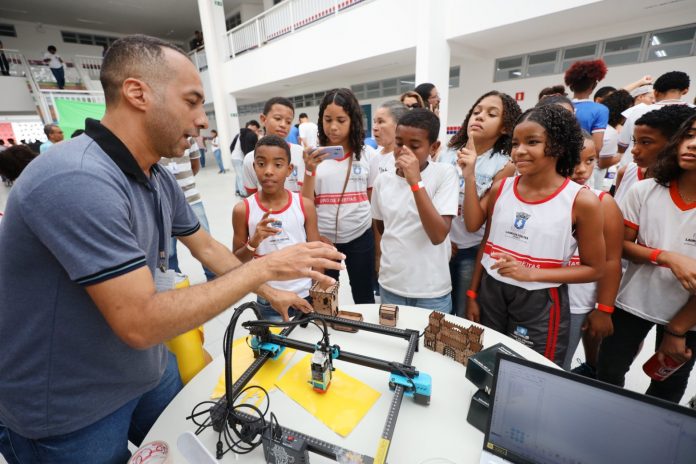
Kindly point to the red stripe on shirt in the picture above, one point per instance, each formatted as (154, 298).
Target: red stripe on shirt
(531, 261)
(628, 223)
(336, 198)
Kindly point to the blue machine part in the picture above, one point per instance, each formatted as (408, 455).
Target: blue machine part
(423, 386)
(259, 347)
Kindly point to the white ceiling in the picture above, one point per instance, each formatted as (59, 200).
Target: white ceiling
(169, 19)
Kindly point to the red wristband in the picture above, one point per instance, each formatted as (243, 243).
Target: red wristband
(309, 173)
(471, 294)
(653, 256)
(604, 308)
(418, 186)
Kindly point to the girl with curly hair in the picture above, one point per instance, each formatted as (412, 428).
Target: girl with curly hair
(659, 285)
(490, 122)
(582, 77)
(536, 221)
(340, 189)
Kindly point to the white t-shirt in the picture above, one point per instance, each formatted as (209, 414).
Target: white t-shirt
(488, 165)
(308, 133)
(238, 153)
(292, 218)
(538, 234)
(663, 221)
(215, 143)
(293, 181)
(55, 58)
(411, 266)
(354, 214)
(610, 147)
(381, 163)
(632, 175)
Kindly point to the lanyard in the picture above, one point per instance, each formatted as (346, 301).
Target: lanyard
(156, 199)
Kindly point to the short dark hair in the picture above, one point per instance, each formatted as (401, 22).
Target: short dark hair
(420, 118)
(554, 100)
(667, 119)
(14, 159)
(617, 102)
(303, 115)
(604, 91)
(563, 135)
(553, 90)
(273, 141)
(138, 56)
(51, 48)
(48, 128)
(673, 80)
(278, 101)
(253, 122)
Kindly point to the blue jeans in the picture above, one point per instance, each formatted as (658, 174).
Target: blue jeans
(203, 219)
(105, 441)
(270, 314)
(461, 270)
(239, 189)
(59, 74)
(202, 152)
(218, 159)
(360, 264)
(440, 303)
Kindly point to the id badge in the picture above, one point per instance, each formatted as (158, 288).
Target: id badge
(165, 280)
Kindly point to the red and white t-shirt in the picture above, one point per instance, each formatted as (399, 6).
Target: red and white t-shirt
(354, 213)
(538, 233)
(663, 221)
(293, 181)
(583, 297)
(292, 224)
(632, 175)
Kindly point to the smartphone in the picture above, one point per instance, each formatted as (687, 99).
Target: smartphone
(334, 153)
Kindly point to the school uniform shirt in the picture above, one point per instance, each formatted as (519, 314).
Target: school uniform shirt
(663, 221)
(593, 117)
(381, 162)
(54, 60)
(353, 206)
(292, 225)
(488, 165)
(583, 296)
(610, 147)
(293, 182)
(538, 234)
(411, 266)
(632, 175)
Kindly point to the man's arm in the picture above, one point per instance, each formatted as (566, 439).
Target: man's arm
(142, 317)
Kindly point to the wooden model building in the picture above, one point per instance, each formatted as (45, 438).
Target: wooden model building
(388, 314)
(325, 301)
(451, 339)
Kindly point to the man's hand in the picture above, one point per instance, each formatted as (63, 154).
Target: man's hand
(300, 260)
(599, 324)
(409, 165)
(282, 301)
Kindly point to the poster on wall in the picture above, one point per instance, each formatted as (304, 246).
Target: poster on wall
(72, 114)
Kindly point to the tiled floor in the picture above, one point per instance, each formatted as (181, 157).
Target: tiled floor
(217, 191)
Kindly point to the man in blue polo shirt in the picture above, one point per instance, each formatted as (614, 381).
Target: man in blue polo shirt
(84, 304)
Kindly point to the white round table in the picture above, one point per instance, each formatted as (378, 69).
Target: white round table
(438, 433)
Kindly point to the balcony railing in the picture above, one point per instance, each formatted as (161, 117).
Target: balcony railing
(285, 18)
(198, 58)
(90, 65)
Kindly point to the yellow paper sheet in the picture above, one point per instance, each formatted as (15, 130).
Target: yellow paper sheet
(341, 408)
(242, 357)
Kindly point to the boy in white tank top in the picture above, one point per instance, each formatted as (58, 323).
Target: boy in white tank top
(529, 239)
(273, 218)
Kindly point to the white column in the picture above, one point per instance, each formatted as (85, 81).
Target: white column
(225, 105)
(433, 54)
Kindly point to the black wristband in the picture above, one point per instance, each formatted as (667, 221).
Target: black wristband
(666, 330)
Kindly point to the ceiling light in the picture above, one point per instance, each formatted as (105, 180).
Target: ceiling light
(655, 41)
(516, 73)
(660, 53)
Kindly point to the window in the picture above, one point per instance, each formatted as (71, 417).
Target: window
(623, 51)
(69, 37)
(233, 21)
(539, 64)
(8, 30)
(508, 68)
(454, 77)
(671, 44)
(86, 39)
(573, 54)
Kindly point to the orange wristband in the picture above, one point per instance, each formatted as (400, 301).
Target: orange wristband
(604, 308)
(653, 256)
(471, 294)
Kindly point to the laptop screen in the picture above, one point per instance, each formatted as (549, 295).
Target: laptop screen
(544, 415)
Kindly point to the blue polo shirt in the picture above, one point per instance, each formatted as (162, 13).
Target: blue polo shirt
(80, 214)
(592, 116)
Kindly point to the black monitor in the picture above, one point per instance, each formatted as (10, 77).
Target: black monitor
(540, 414)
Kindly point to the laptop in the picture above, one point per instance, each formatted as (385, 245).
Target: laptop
(541, 415)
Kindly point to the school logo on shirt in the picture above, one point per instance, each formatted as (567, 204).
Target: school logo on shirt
(691, 241)
(520, 220)
(357, 170)
(294, 171)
